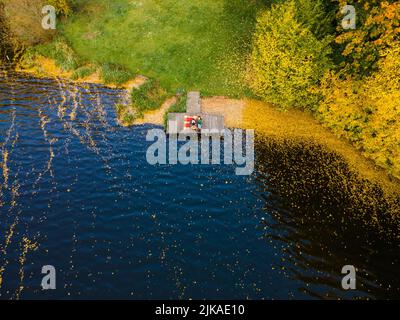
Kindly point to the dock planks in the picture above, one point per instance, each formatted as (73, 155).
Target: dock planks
(193, 108)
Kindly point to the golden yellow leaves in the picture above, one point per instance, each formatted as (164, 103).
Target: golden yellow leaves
(378, 29)
(367, 112)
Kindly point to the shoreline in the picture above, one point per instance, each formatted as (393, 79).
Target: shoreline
(293, 125)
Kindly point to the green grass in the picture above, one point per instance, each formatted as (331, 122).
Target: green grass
(149, 96)
(185, 45)
(61, 52)
(83, 72)
(115, 74)
(178, 107)
(124, 115)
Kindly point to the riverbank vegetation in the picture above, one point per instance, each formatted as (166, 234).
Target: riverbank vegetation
(21, 25)
(294, 54)
(181, 45)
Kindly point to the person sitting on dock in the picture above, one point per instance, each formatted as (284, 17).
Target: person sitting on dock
(199, 123)
(194, 123)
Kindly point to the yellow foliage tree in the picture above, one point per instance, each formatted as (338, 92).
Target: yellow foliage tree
(378, 27)
(367, 112)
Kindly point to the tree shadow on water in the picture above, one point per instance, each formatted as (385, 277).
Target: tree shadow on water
(327, 217)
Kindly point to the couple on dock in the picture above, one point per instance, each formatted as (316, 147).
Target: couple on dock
(195, 123)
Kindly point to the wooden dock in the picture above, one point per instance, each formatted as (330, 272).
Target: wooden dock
(176, 121)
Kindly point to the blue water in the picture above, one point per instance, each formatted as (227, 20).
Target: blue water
(78, 188)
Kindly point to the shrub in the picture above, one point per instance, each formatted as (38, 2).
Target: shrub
(149, 96)
(378, 27)
(287, 61)
(5, 45)
(115, 74)
(83, 72)
(61, 53)
(125, 115)
(367, 112)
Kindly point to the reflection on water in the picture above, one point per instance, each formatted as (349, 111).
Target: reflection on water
(325, 218)
(76, 192)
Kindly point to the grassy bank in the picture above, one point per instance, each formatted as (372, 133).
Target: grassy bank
(179, 45)
(183, 44)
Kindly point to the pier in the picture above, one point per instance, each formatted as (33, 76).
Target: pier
(212, 122)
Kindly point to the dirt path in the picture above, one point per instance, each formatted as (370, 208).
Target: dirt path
(231, 109)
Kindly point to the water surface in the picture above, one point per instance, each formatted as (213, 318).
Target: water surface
(77, 193)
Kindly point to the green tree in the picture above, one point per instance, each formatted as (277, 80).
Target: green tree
(288, 60)
(317, 15)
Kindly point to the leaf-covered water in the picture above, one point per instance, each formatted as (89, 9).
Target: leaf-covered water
(77, 193)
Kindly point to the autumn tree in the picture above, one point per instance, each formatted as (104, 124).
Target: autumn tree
(378, 28)
(288, 59)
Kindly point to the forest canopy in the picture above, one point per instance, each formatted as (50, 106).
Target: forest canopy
(348, 78)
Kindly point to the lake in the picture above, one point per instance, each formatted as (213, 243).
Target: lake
(77, 193)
